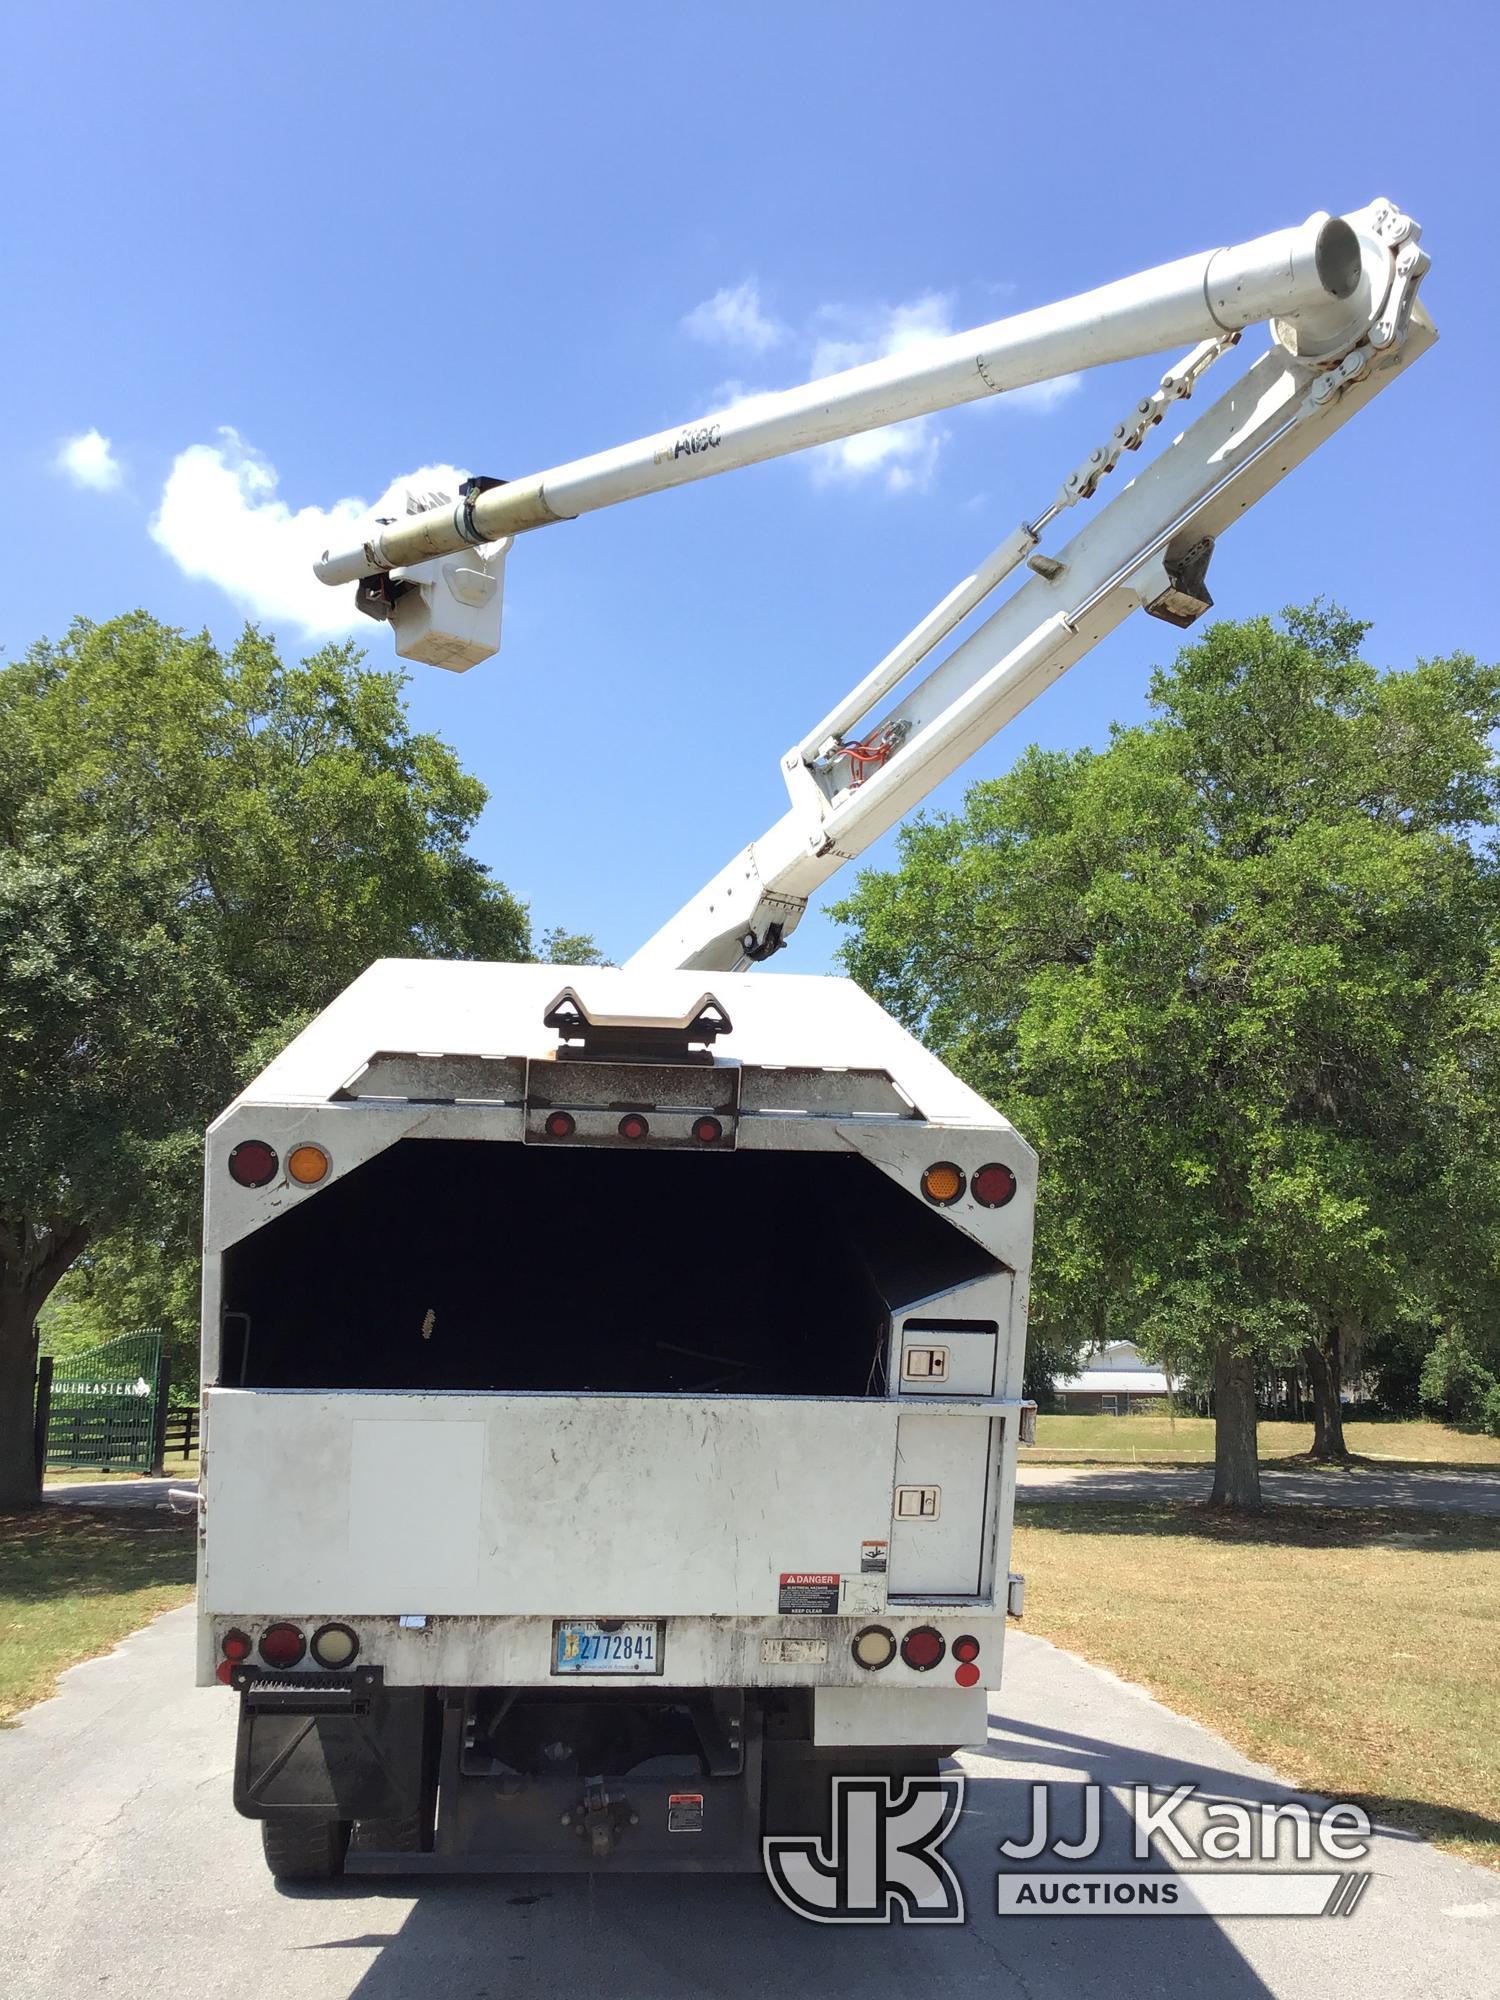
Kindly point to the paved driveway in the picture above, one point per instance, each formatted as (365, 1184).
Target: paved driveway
(125, 1873)
(1446, 1492)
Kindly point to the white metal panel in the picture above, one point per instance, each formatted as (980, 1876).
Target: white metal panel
(942, 1555)
(588, 1505)
(415, 1498)
(420, 1006)
(856, 1716)
(945, 1361)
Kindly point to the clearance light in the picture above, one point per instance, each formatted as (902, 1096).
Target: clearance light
(943, 1183)
(282, 1646)
(633, 1126)
(235, 1645)
(921, 1649)
(874, 1647)
(253, 1163)
(307, 1164)
(993, 1186)
(707, 1131)
(559, 1125)
(334, 1645)
(966, 1648)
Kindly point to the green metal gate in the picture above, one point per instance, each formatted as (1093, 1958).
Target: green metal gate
(104, 1404)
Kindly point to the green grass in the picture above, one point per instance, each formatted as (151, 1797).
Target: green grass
(173, 1467)
(1355, 1651)
(1147, 1440)
(74, 1582)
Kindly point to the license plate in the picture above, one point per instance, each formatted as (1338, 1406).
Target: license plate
(607, 1646)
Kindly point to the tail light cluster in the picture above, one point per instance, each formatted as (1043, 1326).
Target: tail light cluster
(254, 1164)
(283, 1646)
(707, 1130)
(991, 1185)
(921, 1649)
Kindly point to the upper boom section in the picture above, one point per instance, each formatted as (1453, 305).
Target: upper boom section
(1316, 278)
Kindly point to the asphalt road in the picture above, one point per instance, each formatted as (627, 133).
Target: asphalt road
(124, 1873)
(1440, 1492)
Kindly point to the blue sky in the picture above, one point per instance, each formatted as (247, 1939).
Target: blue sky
(280, 256)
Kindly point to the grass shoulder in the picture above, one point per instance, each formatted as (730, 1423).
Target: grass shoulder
(1160, 1440)
(1352, 1649)
(74, 1581)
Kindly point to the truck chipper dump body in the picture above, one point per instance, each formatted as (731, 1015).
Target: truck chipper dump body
(611, 1408)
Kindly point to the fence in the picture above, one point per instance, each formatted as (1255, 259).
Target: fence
(104, 1409)
(180, 1432)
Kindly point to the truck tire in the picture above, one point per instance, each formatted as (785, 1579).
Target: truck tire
(305, 1850)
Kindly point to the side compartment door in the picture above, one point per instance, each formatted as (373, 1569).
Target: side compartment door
(942, 1503)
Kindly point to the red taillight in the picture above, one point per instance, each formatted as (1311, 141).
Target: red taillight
(993, 1186)
(560, 1125)
(966, 1648)
(633, 1126)
(253, 1163)
(235, 1645)
(923, 1648)
(707, 1131)
(282, 1646)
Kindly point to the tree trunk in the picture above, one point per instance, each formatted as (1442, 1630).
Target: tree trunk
(18, 1481)
(33, 1257)
(1236, 1464)
(1324, 1359)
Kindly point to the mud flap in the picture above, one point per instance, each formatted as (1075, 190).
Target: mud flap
(331, 1750)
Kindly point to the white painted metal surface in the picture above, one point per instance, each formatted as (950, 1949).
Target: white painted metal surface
(1315, 269)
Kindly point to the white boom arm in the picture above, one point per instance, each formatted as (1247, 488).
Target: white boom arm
(1341, 295)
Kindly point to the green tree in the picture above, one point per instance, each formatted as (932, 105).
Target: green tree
(1228, 975)
(198, 849)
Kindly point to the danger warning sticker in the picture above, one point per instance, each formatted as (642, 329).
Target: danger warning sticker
(872, 1557)
(684, 1812)
(813, 1592)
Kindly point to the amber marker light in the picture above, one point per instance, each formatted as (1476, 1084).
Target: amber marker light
(943, 1183)
(307, 1164)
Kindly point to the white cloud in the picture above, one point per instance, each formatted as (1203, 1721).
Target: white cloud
(733, 318)
(220, 520)
(902, 456)
(88, 460)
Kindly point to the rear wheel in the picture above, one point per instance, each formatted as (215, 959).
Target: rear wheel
(305, 1850)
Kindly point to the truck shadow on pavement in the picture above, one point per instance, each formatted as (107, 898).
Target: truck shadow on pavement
(618, 1936)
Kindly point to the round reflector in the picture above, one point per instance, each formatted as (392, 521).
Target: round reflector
(235, 1645)
(966, 1677)
(307, 1164)
(224, 1671)
(559, 1125)
(253, 1163)
(923, 1648)
(282, 1645)
(334, 1645)
(943, 1183)
(874, 1647)
(966, 1648)
(993, 1186)
(633, 1126)
(707, 1130)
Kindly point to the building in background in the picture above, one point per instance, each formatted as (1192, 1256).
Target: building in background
(1114, 1380)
